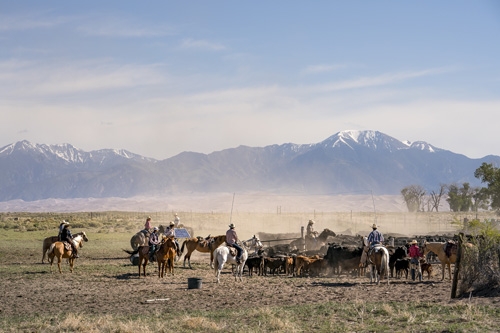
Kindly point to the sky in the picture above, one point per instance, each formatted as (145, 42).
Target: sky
(158, 78)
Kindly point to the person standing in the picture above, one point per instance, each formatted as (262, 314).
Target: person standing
(415, 255)
(231, 240)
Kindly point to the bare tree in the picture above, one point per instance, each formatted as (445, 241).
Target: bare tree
(435, 197)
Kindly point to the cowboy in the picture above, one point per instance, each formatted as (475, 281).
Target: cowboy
(375, 237)
(415, 255)
(177, 220)
(147, 225)
(231, 239)
(66, 236)
(61, 227)
(170, 232)
(153, 242)
(310, 230)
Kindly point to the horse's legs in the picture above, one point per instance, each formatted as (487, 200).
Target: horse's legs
(71, 264)
(59, 259)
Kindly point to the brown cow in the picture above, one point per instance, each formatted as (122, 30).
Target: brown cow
(303, 262)
(274, 264)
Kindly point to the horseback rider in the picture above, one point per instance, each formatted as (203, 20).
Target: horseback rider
(415, 255)
(147, 225)
(66, 236)
(177, 220)
(375, 237)
(170, 232)
(231, 239)
(153, 242)
(61, 227)
(310, 230)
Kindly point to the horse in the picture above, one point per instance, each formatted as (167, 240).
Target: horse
(143, 251)
(139, 239)
(165, 256)
(58, 250)
(47, 242)
(202, 245)
(378, 259)
(254, 243)
(313, 243)
(438, 248)
(222, 255)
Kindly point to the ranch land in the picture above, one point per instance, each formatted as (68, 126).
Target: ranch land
(105, 294)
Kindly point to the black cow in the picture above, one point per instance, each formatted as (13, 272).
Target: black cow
(337, 255)
(399, 253)
(402, 265)
(254, 262)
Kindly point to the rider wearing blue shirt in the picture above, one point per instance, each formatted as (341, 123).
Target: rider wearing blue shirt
(375, 237)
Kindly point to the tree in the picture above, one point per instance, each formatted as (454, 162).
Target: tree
(412, 196)
(490, 175)
(460, 198)
(435, 198)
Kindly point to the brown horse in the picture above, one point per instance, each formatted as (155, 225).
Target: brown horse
(166, 256)
(143, 251)
(58, 250)
(47, 242)
(438, 249)
(202, 245)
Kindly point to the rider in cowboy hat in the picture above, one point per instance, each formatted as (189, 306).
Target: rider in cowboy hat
(310, 230)
(66, 236)
(375, 237)
(170, 232)
(153, 242)
(231, 239)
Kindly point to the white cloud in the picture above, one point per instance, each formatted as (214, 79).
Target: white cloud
(316, 69)
(119, 27)
(30, 21)
(201, 44)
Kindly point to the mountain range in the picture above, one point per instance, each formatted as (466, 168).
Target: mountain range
(347, 162)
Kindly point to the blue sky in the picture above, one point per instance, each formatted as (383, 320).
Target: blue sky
(158, 78)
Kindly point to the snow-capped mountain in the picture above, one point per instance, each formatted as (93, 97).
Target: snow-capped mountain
(346, 162)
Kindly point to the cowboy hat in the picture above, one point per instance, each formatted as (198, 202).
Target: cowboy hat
(231, 226)
(155, 229)
(311, 221)
(374, 226)
(65, 222)
(172, 223)
(414, 242)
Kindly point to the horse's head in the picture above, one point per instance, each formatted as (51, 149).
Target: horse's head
(84, 235)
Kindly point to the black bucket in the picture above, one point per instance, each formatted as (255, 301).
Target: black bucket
(194, 283)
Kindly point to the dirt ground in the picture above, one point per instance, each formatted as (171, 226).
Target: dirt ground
(118, 290)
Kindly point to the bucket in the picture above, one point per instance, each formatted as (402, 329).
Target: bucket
(194, 283)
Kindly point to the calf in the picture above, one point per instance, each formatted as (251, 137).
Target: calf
(317, 267)
(426, 267)
(274, 264)
(303, 263)
(289, 265)
(254, 263)
(402, 265)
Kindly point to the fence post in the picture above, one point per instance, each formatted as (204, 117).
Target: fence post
(457, 266)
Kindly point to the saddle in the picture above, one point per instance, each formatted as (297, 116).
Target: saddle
(450, 248)
(232, 250)
(67, 246)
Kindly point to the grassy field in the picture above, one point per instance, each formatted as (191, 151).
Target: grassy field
(105, 267)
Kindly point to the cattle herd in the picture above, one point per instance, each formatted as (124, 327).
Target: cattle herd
(341, 255)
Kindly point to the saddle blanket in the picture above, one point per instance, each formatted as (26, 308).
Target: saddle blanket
(67, 246)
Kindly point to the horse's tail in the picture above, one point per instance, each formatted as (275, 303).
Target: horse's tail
(216, 261)
(50, 252)
(384, 264)
(132, 252)
(182, 247)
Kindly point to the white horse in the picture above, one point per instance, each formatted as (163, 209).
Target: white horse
(378, 259)
(222, 255)
(254, 243)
